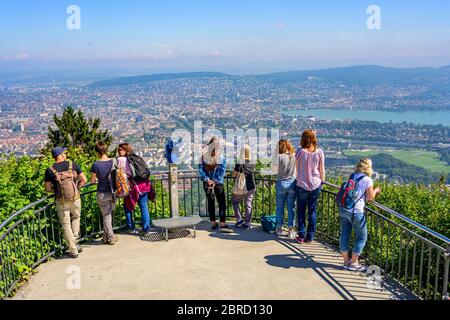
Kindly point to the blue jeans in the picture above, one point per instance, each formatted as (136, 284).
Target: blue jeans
(359, 225)
(285, 193)
(143, 205)
(308, 199)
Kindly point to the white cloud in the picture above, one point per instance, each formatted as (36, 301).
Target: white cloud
(21, 56)
(215, 53)
(18, 56)
(167, 54)
(280, 26)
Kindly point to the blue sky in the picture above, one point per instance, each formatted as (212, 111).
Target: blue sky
(232, 36)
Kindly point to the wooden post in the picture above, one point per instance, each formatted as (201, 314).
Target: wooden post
(173, 190)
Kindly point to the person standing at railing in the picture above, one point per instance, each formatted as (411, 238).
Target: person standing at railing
(310, 163)
(354, 218)
(139, 192)
(65, 178)
(101, 174)
(248, 170)
(284, 165)
(212, 171)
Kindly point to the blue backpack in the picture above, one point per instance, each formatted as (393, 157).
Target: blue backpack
(172, 151)
(269, 223)
(347, 197)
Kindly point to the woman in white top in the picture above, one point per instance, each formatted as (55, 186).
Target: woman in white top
(354, 219)
(285, 187)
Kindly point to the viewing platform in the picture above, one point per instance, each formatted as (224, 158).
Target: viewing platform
(246, 264)
(407, 260)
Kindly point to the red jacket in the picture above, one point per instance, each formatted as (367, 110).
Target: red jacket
(137, 189)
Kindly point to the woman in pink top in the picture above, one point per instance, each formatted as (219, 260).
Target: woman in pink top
(310, 163)
(139, 190)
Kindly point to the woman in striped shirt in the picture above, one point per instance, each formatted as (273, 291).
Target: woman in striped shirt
(310, 163)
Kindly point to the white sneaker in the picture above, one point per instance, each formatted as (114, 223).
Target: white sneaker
(279, 231)
(292, 234)
(133, 232)
(357, 267)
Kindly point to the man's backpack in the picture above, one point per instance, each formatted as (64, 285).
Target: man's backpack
(139, 169)
(269, 223)
(240, 184)
(119, 181)
(66, 187)
(347, 197)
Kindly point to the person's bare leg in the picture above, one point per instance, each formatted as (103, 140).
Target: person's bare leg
(355, 259)
(345, 256)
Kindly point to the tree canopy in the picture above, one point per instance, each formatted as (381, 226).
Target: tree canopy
(74, 130)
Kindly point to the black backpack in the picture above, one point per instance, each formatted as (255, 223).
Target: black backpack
(139, 169)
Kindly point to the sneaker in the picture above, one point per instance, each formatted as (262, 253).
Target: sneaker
(113, 240)
(308, 240)
(79, 248)
(346, 265)
(73, 255)
(215, 226)
(357, 267)
(246, 226)
(226, 228)
(279, 231)
(292, 234)
(299, 239)
(105, 239)
(239, 224)
(133, 231)
(144, 233)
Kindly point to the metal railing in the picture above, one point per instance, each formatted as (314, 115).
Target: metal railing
(403, 249)
(414, 255)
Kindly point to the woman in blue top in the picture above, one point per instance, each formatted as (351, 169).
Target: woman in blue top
(354, 219)
(212, 171)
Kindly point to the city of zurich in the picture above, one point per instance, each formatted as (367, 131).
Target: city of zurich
(216, 159)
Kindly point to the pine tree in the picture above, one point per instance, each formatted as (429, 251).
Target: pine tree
(73, 130)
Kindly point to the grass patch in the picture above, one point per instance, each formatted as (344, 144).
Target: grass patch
(425, 159)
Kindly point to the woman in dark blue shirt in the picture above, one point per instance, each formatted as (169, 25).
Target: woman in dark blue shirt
(106, 201)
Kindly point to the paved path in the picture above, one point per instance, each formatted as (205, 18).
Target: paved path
(242, 265)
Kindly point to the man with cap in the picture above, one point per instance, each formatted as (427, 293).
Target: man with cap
(64, 179)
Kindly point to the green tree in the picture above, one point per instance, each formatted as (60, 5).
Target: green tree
(75, 131)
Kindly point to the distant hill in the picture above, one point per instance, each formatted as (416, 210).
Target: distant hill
(157, 77)
(360, 75)
(368, 75)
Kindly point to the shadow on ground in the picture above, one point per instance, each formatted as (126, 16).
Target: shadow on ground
(317, 258)
(324, 261)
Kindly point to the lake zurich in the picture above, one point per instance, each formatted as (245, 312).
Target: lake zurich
(417, 117)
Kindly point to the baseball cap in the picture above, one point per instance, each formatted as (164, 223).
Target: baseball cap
(57, 151)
